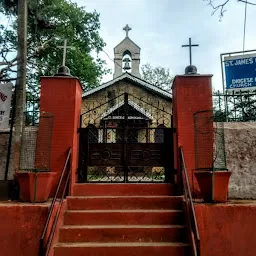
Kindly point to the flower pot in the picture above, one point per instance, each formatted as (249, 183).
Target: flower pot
(219, 179)
(35, 186)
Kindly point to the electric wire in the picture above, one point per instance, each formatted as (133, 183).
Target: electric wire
(112, 59)
(245, 19)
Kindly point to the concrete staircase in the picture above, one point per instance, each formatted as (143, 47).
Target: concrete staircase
(123, 219)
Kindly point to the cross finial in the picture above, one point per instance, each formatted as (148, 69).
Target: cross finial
(190, 45)
(127, 29)
(65, 47)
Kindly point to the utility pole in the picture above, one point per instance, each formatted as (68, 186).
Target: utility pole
(20, 87)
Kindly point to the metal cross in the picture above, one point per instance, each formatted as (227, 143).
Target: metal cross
(190, 45)
(64, 51)
(127, 29)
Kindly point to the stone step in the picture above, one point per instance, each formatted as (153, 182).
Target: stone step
(124, 217)
(127, 233)
(123, 189)
(124, 249)
(124, 202)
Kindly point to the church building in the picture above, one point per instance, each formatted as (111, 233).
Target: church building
(126, 99)
(124, 116)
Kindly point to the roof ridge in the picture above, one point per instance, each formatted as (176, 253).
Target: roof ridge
(133, 78)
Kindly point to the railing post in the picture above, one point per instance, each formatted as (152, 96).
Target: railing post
(190, 211)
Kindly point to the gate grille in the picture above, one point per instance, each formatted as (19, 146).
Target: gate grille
(120, 146)
(108, 155)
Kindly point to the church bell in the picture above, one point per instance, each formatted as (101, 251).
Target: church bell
(127, 64)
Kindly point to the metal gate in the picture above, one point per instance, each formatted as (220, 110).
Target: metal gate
(123, 148)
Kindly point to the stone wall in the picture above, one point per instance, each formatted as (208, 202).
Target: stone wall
(240, 143)
(159, 108)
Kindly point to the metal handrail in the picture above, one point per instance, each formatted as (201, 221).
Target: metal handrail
(192, 223)
(45, 247)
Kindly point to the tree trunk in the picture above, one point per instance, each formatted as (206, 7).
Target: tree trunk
(20, 85)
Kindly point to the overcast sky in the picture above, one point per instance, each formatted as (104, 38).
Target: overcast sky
(160, 27)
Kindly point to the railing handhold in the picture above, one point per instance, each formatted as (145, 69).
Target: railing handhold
(44, 246)
(190, 210)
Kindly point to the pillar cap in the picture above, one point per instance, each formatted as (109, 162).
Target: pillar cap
(191, 70)
(63, 71)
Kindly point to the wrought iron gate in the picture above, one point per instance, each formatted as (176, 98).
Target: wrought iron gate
(128, 151)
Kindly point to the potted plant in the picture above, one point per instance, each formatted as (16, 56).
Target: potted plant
(34, 176)
(35, 186)
(210, 158)
(213, 184)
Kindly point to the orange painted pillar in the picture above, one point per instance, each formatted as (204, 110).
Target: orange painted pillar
(62, 96)
(191, 93)
(44, 142)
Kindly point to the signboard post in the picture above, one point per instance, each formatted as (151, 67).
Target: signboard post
(240, 72)
(5, 104)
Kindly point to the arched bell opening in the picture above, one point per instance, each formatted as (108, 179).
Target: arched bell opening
(127, 61)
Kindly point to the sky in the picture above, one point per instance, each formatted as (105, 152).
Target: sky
(161, 27)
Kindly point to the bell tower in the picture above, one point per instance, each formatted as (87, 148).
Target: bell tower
(127, 56)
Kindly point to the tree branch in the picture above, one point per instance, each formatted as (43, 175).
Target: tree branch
(13, 62)
(244, 1)
(221, 7)
(9, 64)
(8, 79)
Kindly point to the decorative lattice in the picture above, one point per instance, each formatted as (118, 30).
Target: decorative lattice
(209, 142)
(36, 145)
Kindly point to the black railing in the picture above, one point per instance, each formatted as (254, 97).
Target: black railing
(237, 106)
(45, 242)
(189, 209)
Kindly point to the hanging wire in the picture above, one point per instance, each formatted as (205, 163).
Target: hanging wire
(245, 19)
(112, 59)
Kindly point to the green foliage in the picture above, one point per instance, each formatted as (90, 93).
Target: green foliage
(158, 76)
(49, 23)
(239, 106)
(219, 116)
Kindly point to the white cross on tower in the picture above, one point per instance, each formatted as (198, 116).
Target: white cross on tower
(127, 29)
(64, 51)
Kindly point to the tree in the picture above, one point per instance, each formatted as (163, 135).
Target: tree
(239, 106)
(49, 23)
(221, 7)
(158, 76)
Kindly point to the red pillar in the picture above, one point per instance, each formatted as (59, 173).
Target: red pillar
(62, 96)
(191, 93)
